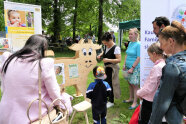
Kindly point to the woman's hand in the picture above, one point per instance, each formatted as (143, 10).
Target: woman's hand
(99, 57)
(130, 71)
(124, 68)
(59, 109)
(105, 60)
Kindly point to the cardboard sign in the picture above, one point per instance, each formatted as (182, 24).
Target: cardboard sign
(77, 68)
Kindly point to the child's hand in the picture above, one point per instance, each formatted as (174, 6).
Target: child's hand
(139, 97)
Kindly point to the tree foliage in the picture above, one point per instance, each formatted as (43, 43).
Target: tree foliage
(2, 24)
(79, 17)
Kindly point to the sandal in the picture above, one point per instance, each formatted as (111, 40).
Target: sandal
(130, 108)
(127, 101)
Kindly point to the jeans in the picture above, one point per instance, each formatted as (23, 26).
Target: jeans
(173, 116)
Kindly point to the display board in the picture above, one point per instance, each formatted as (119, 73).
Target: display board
(77, 68)
(150, 9)
(21, 21)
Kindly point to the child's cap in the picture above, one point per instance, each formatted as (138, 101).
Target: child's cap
(99, 72)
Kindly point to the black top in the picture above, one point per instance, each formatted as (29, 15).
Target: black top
(110, 54)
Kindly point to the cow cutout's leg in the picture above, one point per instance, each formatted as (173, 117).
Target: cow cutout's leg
(82, 89)
(78, 92)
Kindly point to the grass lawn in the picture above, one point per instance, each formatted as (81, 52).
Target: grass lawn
(119, 114)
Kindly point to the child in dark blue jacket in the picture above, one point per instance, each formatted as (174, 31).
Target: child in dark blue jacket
(98, 92)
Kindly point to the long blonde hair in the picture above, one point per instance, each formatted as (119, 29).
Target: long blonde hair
(136, 32)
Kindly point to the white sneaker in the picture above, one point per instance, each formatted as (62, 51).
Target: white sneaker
(109, 104)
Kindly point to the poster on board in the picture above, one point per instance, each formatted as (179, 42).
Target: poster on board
(5, 44)
(150, 9)
(60, 72)
(21, 21)
(73, 71)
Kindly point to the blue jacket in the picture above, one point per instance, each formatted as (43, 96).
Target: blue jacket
(171, 94)
(98, 92)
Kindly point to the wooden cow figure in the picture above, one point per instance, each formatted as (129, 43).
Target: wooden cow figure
(85, 59)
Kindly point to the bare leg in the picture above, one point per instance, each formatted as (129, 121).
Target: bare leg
(131, 91)
(135, 88)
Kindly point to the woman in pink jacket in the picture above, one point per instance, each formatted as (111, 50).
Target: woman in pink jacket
(19, 73)
(151, 83)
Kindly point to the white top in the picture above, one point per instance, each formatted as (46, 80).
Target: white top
(116, 51)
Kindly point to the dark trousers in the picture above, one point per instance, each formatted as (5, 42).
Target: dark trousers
(145, 113)
(99, 116)
(108, 72)
(146, 110)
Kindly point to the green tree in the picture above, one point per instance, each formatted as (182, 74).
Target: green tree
(87, 16)
(75, 20)
(56, 18)
(2, 24)
(123, 10)
(71, 17)
(100, 28)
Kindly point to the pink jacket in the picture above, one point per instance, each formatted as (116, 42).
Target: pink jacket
(152, 82)
(20, 87)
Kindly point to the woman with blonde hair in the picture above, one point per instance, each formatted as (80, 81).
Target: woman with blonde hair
(170, 98)
(132, 66)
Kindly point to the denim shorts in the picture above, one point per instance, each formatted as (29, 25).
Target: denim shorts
(134, 78)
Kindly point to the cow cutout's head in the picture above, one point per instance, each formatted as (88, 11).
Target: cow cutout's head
(86, 53)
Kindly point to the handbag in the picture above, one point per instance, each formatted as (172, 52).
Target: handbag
(125, 74)
(134, 118)
(53, 116)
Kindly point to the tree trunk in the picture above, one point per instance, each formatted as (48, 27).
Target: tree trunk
(74, 21)
(56, 25)
(90, 28)
(37, 2)
(100, 27)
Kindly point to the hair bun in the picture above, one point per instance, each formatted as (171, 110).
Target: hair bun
(179, 26)
(107, 36)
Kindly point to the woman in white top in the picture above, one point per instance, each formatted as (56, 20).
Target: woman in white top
(111, 56)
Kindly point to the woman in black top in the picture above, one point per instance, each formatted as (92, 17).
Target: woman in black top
(111, 55)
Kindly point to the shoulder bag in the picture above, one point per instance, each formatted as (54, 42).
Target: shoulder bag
(53, 116)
